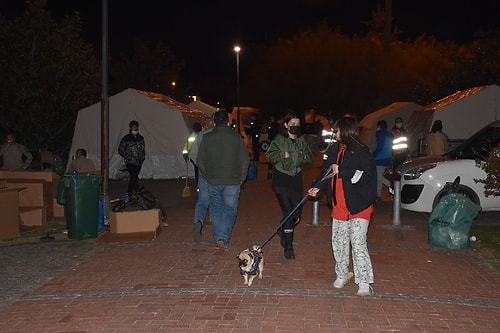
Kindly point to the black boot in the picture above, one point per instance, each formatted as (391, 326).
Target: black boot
(288, 238)
(282, 237)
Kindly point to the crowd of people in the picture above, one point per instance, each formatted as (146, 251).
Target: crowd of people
(352, 176)
(223, 162)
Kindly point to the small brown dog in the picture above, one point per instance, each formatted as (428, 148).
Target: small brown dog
(251, 262)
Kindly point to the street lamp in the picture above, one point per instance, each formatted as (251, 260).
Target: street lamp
(237, 49)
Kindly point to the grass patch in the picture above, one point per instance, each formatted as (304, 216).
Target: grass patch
(33, 234)
(487, 242)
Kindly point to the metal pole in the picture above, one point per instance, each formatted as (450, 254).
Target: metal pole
(315, 211)
(105, 114)
(237, 49)
(396, 221)
(238, 87)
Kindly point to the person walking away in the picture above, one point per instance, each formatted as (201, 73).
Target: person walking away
(437, 140)
(223, 160)
(400, 150)
(382, 153)
(16, 157)
(81, 164)
(188, 146)
(288, 153)
(255, 131)
(133, 150)
(203, 200)
(273, 128)
(351, 191)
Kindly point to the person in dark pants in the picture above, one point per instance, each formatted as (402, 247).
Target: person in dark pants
(133, 150)
(255, 131)
(288, 153)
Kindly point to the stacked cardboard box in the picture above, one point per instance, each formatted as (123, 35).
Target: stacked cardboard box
(36, 200)
(9, 206)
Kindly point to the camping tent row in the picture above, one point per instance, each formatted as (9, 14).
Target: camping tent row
(164, 122)
(463, 113)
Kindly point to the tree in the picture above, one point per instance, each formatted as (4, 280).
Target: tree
(492, 169)
(151, 69)
(48, 73)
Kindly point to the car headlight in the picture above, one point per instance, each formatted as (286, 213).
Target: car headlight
(416, 172)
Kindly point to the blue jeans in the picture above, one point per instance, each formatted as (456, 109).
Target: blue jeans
(223, 208)
(201, 208)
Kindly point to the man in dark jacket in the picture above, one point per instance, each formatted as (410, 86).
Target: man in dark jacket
(133, 150)
(223, 160)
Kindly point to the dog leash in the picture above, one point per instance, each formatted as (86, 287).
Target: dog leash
(329, 174)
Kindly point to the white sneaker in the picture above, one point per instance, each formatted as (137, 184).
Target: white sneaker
(341, 282)
(364, 289)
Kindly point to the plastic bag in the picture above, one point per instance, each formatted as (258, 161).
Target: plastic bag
(252, 171)
(450, 221)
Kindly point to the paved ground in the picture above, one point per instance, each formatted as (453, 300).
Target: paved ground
(171, 284)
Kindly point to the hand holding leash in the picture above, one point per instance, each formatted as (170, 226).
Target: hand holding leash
(332, 171)
(329, 174)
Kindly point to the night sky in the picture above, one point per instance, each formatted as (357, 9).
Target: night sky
(203, 33)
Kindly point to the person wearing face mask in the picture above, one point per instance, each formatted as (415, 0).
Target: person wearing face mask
(400, 150)
(288, 153)
(133, 150)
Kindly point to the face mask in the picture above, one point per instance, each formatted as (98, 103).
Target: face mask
(135, 132)
(295, 130)
(399, 125)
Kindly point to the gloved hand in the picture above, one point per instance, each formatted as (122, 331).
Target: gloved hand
(185, 157)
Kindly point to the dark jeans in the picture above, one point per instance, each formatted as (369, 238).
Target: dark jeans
(133, 184)
(288, 190)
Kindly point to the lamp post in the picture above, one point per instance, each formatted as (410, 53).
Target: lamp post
(237, 49)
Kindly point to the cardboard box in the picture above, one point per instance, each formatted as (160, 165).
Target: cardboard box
(35, 193)
(57, 209)
(47, 176)
(33, 216)
(135, 221)
(9, 206)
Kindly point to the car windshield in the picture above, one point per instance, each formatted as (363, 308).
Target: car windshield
(479, 145)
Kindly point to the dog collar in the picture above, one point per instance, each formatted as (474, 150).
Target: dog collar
(256, 261)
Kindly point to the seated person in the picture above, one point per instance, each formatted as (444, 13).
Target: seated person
(81, 164)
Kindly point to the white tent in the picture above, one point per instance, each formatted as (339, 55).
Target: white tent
(462, 113)
(164, 123)
(207, 109)
(389, 113)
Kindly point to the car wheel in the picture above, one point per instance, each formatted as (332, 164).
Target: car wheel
(264, 145)
(462, 189)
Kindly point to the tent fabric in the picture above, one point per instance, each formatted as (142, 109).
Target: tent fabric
(207, 109)
(389, 113)
(462, 113)
(164, 122)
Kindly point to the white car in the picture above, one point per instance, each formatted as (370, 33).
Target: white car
(423, 179)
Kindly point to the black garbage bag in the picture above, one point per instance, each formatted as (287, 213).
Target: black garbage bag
(450, 221)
